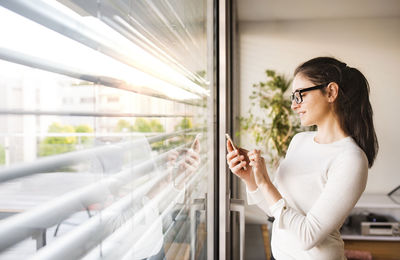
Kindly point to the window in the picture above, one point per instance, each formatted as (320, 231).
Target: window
(105, 122)
(112, 99)
(87, 100)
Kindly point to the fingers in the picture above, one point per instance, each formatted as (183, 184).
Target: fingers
(196, 144)
(193, 154)
(232, 163)
(190, 168)
(254, 154)
(173, 154)
(238, 167)
(191, 160)
(232, 154)
(172, 157)
(255, 158)
(229, 146)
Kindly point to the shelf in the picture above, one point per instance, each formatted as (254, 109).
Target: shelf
(373, 202)
(351, 234)
(376, 201)
(370, 238)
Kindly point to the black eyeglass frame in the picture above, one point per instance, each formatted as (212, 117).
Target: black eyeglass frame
(301, 91)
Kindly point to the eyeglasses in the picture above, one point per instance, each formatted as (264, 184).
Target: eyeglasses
(297, 95)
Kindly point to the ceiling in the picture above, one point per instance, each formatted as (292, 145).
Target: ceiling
(276, 10)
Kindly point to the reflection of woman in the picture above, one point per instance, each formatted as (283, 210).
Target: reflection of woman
(325, 172)
(181, 165)
(139, 232)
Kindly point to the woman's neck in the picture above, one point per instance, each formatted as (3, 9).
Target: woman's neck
(329, 131)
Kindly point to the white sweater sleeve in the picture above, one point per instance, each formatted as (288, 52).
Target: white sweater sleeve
(257, 198)
(347, 179)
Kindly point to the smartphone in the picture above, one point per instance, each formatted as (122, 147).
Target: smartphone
(195, 147)
(234, 146)
(196, 143)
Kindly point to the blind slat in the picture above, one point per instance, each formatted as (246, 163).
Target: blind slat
(52, 66)
(23, 225)
(125, 237)
(176, 46)
(56, 161)
(85, 114)
(118, 16)
(58, 21)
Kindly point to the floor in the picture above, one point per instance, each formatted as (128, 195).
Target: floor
(254, 243)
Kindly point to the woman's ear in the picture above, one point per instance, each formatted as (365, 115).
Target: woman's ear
(332, 90)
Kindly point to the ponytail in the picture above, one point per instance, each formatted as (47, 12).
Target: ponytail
(352, 104)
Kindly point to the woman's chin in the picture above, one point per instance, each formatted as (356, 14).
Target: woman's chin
(306, 123)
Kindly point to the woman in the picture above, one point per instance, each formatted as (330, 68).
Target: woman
(325, 172)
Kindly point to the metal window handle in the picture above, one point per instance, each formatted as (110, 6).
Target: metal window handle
(40, 237)
(238, 206)
(197, 205)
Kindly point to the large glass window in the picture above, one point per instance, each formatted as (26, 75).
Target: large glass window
(105, 128)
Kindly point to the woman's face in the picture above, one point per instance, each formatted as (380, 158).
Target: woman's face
(315, 106)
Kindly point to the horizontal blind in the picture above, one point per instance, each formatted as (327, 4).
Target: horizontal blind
(105, 129)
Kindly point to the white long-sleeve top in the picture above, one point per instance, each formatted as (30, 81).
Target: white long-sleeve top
(320, 184)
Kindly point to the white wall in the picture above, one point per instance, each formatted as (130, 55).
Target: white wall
(371, 45)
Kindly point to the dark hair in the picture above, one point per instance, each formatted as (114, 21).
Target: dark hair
(352, 104)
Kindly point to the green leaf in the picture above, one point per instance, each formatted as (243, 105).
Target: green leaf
(278, 125)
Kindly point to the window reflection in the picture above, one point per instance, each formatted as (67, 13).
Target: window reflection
(99, 145)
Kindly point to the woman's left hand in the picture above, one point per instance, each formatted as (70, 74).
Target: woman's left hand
(257, 162)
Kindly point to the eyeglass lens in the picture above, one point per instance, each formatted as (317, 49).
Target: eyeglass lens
(296, 96)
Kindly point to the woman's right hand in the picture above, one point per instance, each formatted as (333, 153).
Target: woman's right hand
(237, 160)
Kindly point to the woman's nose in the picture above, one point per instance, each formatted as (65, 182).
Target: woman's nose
(294, 105)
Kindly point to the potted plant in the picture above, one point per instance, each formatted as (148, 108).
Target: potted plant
(270, 120)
